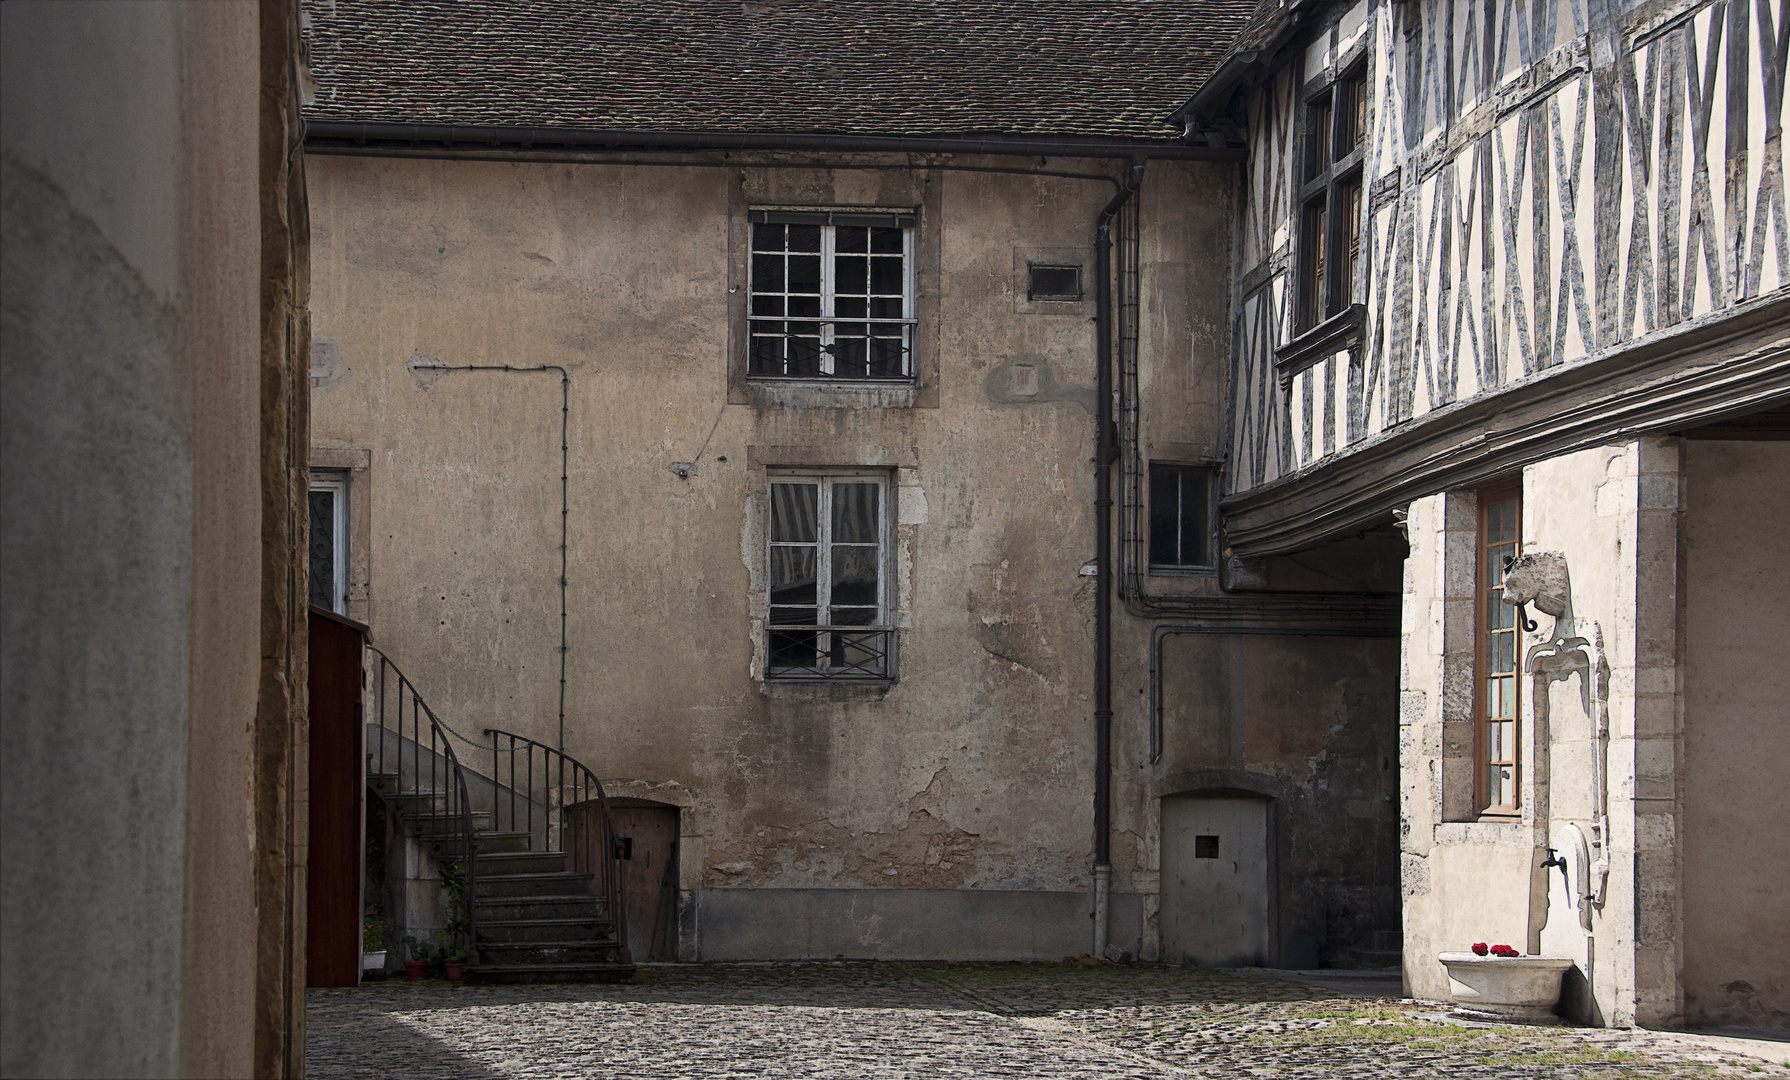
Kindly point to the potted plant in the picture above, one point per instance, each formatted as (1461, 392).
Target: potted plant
(372, 943)
(455, 966)
(419, 957)
(1498, 981)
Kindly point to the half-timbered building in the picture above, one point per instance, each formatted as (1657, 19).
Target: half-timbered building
(1512, 277)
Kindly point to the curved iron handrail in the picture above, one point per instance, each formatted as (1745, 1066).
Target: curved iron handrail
(564, 782)
(455, 817)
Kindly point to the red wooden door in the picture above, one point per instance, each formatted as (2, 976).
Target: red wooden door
(333, 885)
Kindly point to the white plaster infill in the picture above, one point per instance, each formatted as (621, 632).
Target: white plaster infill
(1506, 987)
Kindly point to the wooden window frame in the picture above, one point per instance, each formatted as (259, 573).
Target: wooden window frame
(1486, 590)
(336, 482)
(829, 221)
(825, 478)
(1323, 186)
(1210, 566)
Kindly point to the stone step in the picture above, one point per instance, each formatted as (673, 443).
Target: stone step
(551, 973)
(518, 931)
(412, 803)
(587, 951)
(538, 907)
(560, 883)
(1378, 959)
(432, 824)
(448, 845)
(521, 862)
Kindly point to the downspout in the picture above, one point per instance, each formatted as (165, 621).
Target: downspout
(1105, 454)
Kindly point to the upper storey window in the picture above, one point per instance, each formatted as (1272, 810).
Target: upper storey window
(832, 295)
(1330, 197)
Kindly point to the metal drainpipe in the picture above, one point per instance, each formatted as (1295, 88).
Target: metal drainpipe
(1105, 454)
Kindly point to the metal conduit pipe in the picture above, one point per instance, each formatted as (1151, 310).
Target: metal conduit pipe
(1105, 454)
(565, 506)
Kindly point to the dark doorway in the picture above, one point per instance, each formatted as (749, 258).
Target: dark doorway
(649, 878)
(333, 883)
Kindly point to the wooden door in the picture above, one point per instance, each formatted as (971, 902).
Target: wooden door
(1215, 898)
(333, 884)
(649, 879)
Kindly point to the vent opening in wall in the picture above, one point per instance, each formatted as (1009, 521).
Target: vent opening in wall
(1205, 847)
(1054, 283)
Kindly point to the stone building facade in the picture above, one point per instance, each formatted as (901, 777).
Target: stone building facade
(944, 798)
(1514, 278)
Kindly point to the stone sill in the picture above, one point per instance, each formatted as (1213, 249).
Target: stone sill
(1513, 833)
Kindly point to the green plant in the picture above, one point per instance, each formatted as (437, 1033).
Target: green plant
(372, 934)
(453, 879)
(431, 952)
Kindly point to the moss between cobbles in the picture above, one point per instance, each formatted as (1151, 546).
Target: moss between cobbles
(1226, 1024)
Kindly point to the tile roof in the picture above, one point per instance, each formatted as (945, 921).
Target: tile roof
(1102, 68)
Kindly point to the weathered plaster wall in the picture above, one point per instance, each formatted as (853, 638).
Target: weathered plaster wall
(1613, 513)
(1309, 723)
(131, 544)
(973, 772)
(1736, 622)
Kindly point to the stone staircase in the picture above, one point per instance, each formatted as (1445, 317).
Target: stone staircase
(534, 920)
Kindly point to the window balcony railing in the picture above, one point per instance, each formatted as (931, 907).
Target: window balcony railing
(831, 347)
(804, 653)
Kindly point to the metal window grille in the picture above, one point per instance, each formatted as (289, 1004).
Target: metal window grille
(831, 295)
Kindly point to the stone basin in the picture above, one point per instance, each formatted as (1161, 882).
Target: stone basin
(1512, 987)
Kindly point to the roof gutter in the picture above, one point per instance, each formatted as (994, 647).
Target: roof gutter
(375, 137)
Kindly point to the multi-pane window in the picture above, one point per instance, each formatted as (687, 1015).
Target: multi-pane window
(1495, 709)
(1330, 198)
(829, 583)
(831, 295)
(1180, 516)
(329, 541)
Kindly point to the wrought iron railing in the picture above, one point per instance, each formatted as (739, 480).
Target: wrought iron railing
(850, 347)
(831, 652)
(553, 796)
(431, 791)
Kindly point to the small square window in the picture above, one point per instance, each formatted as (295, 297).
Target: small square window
(1180, 517)
(1054, 283)
(1205, 847)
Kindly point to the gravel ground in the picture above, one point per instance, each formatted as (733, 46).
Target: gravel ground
(877, 1020)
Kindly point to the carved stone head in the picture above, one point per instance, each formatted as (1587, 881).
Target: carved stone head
(1538, 578)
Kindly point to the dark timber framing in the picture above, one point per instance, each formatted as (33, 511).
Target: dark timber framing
(1725, 364)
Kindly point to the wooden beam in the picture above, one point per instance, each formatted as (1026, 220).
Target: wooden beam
(1699, 373)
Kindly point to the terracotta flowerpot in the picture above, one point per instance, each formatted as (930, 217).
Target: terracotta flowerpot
(1515, 987)
(455, 972)
(413, 970)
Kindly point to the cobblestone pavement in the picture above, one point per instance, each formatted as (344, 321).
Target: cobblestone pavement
(874, 1020)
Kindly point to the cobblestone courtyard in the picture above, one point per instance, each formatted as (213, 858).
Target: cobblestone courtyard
(852, 1020)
